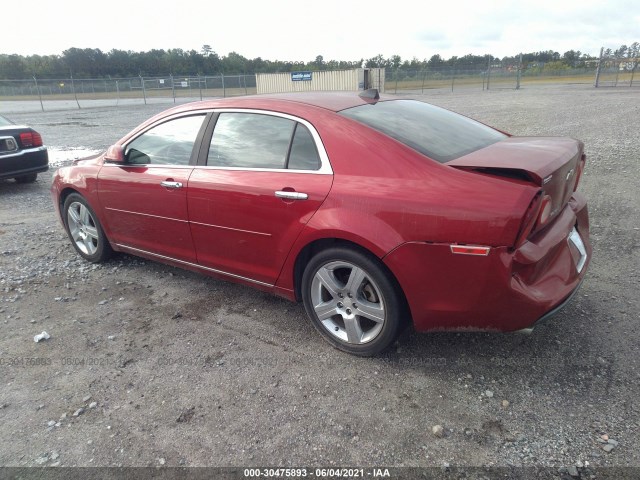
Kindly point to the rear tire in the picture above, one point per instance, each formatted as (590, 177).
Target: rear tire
(352, 301)
(84, 229)
(27, 178)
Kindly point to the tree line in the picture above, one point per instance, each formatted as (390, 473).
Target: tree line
(94, 63)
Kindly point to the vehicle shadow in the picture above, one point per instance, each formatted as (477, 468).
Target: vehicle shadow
(558, 355)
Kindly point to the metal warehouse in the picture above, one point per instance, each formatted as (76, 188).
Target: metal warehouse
(344, 80)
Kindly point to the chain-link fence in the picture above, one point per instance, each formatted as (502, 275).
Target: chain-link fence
(497, 76)
(617, 72)
(112, 91)
(73, 92)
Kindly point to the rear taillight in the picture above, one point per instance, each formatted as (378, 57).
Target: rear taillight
(530, 219)
(30, 139)
(545, 210)
(537, 215)
(583, 160)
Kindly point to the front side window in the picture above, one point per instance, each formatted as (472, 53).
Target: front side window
(254, 140)
(169, 143)
(433, 131)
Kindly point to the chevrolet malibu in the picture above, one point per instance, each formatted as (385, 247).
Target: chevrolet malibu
(376, 212)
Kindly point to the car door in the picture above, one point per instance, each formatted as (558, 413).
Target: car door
(265, 176)
(145, 198)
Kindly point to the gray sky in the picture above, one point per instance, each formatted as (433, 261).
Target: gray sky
(335, 29)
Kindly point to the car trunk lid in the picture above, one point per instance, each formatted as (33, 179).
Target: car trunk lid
(552, 163)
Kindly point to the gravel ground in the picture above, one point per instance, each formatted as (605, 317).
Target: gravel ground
(148, 365)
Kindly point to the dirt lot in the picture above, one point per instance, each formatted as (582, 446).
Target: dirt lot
(148, 365)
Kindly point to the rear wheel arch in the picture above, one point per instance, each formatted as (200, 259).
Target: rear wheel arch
(309, 251)
(352, 298)
(317, 246)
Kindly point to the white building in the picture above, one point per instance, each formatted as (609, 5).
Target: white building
(314, 81)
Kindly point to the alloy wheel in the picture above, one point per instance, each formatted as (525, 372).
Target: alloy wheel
(82, 228)
(347, 302)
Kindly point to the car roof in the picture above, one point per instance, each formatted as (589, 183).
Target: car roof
(292, 103)
(332, 101)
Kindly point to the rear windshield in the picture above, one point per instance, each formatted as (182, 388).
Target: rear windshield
(433, 131)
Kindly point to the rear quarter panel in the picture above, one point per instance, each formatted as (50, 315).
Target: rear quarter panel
(385, 194)
(381, 183)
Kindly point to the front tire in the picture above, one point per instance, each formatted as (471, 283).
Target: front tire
(352, 301)
(84, 229)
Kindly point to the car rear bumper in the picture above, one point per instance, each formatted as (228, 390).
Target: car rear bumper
(506, 290)
(549, 315)
(25, 162)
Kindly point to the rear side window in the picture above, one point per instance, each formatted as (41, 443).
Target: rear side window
(433, 131)
(254, 140)
(250, 140)
(303, 155)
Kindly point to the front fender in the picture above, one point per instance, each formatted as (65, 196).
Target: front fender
(82, 179)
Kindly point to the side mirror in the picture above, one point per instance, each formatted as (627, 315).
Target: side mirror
(115, 154)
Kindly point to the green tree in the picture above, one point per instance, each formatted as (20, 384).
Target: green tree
(621, 52)
(12, 67)
(234, 63)
(84, 62)
(395, 61)
(572, 58)
(318, 63)
(206, 50)
(435, 61)
(377, 62)
(120, 63)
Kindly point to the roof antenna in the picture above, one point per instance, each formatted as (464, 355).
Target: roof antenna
(371, 93)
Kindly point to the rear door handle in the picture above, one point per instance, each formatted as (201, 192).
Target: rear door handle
(170, 184)
(291, 195)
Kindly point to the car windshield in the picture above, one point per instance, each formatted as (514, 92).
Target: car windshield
(433, 131)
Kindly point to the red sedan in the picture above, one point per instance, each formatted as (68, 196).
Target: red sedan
(376, 212)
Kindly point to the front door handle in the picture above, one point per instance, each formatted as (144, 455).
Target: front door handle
(170, 184)
(291, 195)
